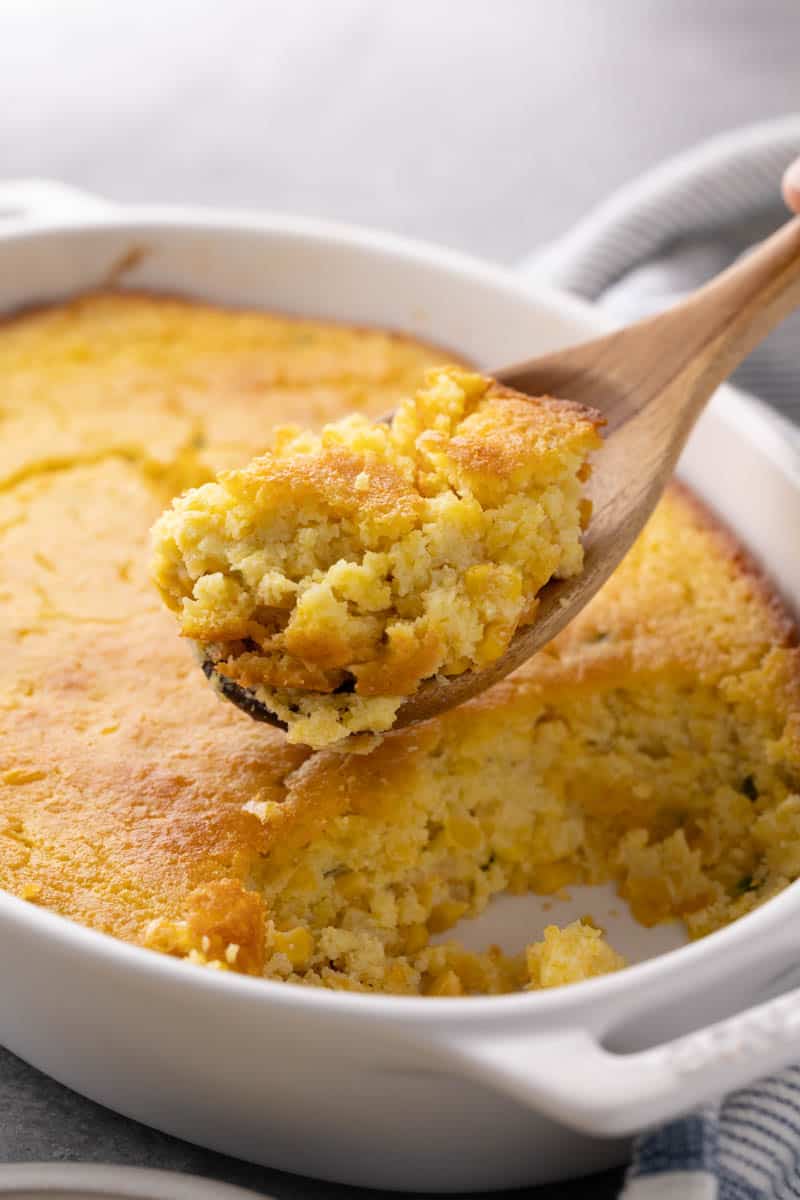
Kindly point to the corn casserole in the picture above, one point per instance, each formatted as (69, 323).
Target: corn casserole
(334, 574)
(655, 743)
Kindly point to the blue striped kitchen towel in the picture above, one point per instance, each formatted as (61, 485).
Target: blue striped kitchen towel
(639, 252)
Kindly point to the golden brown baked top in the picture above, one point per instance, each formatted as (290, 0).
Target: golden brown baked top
(122, 777)
(332, 575)
(656, 743)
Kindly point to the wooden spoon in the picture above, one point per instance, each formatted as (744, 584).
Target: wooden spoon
(650, 381)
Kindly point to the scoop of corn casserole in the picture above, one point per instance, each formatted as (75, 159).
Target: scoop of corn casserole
(654, 744)
(334, 574)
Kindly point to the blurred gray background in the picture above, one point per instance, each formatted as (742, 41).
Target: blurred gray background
(490, 125)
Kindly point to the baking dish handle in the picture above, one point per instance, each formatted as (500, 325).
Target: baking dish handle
(30, 200)
(570, 1076)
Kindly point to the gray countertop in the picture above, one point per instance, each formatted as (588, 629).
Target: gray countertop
(42, 1121)
(490, 125)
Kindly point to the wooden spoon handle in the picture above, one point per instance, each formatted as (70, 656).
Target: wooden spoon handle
(723, 321)
(675, 360)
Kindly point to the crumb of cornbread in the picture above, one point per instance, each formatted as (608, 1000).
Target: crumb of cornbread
(655, 744)
(578, 951)
(334, 574)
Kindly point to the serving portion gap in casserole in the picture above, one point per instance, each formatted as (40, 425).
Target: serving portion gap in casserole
(654, 744)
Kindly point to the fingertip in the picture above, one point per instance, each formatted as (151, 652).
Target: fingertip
(791, 186)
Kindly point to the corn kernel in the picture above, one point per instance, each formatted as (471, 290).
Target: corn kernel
(470, 969)
(303, 880)
(18, 775)
(494, 642)
(478, 579)
(399, 979)
(297, 944)
(414, 939)
(445, 915)
(552, 877)
(351, 884)
(447, 984)
(465, 832)
(324, 911)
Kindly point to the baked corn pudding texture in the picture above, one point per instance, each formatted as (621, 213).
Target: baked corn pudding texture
(334, 574)
(654, 744)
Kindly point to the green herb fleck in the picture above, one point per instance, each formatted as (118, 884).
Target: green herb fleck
(744, 885)
(748, 788)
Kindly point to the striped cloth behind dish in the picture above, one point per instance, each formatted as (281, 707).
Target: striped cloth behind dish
(680, 224)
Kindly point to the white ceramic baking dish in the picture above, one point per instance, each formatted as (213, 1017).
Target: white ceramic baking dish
(457, 1094)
